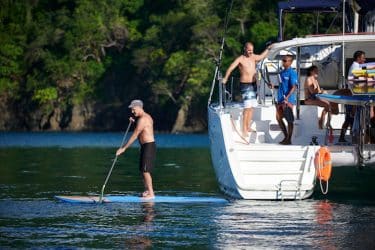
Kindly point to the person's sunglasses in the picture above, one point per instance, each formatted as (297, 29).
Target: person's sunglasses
(285, 60)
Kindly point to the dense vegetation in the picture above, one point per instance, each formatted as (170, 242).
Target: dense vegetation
(76, 64)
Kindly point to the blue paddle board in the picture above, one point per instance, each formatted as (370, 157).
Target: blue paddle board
(136, 199)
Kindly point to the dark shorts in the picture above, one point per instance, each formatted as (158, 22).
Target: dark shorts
(286, 111)
(147, 157)
(349, 114)
(313, 97)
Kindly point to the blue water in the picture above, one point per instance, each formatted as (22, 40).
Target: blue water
(89, 139)
(34, 167)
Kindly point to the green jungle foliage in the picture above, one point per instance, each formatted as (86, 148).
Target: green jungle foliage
(57, 55)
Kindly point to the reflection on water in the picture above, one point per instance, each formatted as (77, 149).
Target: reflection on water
(307, 224)
(148, 210)
(31, 217)
(138, 243)
(324, 219)
(142, 241)
(324, 212)
(311, 224)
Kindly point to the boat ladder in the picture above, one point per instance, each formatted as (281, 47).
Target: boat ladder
(286, 188)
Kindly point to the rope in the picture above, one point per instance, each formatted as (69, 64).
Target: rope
(238, 133)
(320, 179)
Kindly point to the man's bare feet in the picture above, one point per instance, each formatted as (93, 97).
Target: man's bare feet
(145, 193)
(148, 197)
(251, 130)
(285, 142)
(245, 134)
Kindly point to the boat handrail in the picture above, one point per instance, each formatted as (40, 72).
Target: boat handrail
(340, 34)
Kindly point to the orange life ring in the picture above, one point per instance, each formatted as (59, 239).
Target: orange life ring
(323, 164)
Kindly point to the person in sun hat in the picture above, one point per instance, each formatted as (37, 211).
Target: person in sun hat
(144, 131)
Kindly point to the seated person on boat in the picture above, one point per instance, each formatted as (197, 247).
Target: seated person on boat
(312, 88)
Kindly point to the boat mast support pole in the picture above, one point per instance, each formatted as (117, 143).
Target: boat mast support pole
(343, 81)
(217, 75)
(298, 63)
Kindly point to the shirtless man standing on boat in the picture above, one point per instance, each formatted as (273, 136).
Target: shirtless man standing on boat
(247, 65)
(144, 131)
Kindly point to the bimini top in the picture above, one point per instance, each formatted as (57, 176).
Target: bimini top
(308, 5)
(305, 6)
(319, 40)
(323, 6)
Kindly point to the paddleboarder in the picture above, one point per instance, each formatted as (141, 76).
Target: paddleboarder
(144, 131)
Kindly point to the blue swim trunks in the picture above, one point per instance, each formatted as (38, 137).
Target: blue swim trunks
(248, 92)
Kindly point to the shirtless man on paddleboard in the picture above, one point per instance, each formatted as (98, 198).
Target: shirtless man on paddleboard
(144, 131)
(247, 65)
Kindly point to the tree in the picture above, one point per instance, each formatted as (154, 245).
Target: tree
(70, 64)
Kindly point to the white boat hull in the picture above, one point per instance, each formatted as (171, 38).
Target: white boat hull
(258, 167)
(249, 172)
(264, 169)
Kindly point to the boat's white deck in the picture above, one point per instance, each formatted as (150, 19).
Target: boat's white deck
(268, 130)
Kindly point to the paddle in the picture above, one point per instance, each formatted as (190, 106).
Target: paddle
(113, 164)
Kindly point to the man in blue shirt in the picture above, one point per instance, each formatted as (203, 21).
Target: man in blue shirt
(286, 99)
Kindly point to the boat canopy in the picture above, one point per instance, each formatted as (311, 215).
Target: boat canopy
(308, 5)
(305, 6)
(362, 7)
(349, 40)
(365, 6)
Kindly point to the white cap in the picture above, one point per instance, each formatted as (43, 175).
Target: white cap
(136, 103)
